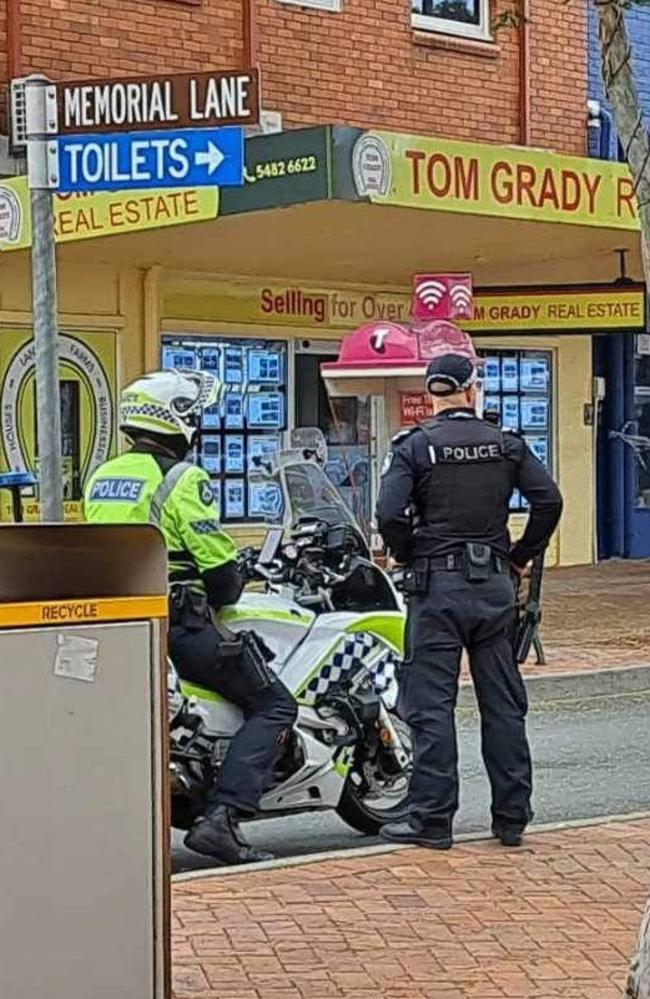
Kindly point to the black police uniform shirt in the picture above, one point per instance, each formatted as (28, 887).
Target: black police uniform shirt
(451, 483)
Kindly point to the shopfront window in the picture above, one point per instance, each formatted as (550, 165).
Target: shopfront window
(518, 387)
(345, 422)
(469, 18)
(249, 422)
(642, 430)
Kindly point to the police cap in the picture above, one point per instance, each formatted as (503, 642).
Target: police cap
(450, 373)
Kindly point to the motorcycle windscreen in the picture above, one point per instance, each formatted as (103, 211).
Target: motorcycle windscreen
(312, 496)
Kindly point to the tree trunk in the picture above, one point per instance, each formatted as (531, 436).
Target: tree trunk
(623, 97)
(638, 981)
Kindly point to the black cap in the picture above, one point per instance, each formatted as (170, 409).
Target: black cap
(450, 373)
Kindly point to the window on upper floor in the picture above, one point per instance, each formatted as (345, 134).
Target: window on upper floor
(468, 18)
(333, 5)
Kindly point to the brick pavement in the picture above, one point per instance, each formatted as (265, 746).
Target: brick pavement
(557, 918)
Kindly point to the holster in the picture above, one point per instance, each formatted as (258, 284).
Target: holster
(478, 562)
(247, 655)
(415, 580)
(255, 659)
(188, 608)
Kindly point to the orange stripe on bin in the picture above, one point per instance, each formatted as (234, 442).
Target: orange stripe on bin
(86, 611)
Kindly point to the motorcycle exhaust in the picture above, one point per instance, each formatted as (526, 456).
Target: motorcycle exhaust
(391, 741)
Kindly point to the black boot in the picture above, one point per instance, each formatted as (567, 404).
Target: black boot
(218, 835)
(509, 833)
(435, 835)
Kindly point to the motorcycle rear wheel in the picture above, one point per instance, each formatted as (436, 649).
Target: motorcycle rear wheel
(371, 797)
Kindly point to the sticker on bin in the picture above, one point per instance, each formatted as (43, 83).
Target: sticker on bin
(76, 658)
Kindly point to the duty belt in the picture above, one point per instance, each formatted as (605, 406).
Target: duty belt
(457, 562)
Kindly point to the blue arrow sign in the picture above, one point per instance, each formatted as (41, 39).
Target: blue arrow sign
(188, 157)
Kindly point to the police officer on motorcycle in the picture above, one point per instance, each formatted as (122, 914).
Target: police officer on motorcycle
(443, 510)
(153, 483)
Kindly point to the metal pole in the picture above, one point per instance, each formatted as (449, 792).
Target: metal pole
(44, 303)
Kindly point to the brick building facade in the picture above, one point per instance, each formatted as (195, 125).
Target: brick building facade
(365, 64)
(331, 223)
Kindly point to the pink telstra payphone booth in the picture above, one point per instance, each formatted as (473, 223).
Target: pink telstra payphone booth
(386, 363)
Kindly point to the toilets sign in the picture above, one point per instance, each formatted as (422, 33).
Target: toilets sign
(202, 157)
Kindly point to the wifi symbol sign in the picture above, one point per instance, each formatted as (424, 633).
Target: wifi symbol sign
(462, 300)
(442, 296)
(431, 293)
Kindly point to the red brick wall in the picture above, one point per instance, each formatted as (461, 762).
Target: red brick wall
(67, 38)
(364, 66)
(559, 74)
(369, 71)
(368, 67)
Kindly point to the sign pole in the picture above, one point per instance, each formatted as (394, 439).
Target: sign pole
(40, 100)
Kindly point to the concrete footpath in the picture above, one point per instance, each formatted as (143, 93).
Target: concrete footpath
(555, 918)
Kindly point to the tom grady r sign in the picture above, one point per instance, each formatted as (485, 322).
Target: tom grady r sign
(183, 100)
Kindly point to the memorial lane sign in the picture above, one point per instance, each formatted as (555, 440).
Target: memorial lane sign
(176, 100)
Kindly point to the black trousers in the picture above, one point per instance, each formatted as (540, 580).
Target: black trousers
(478, 616)
(269, 712)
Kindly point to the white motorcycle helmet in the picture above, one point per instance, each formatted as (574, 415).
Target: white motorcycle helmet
(164, 402)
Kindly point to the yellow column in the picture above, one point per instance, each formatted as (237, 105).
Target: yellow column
(152, 317)
(575, 456)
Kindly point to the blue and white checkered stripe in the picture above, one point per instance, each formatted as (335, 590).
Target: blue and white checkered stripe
(384, 672)
(386, 675)
(347, 660)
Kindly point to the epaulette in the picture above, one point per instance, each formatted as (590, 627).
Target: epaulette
(513, 431)
(401, 435)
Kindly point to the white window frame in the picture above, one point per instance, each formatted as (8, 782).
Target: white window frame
(446, 26)
(334, 6)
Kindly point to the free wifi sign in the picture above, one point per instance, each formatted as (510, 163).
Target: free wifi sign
(442, 296)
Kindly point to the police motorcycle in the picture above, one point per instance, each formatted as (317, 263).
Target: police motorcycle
(335, 625)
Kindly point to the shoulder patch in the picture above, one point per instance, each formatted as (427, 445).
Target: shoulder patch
(206, 493)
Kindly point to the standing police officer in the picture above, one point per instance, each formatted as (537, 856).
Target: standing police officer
(443, 510)
(152, 483)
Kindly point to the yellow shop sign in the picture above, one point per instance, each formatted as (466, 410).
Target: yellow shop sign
(330, 309)
(438, 174)
(87, 216)
(586, 310)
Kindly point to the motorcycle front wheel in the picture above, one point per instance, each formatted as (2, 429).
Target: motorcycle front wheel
(372, 795)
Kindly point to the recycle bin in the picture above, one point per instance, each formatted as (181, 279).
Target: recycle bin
(84, 880)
